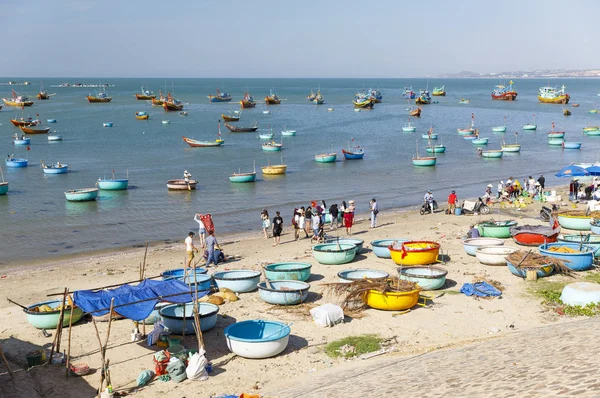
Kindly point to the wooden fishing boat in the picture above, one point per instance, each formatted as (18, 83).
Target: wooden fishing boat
(534, 235)
(552, 95)
(376, 96)
(247, 101)
(318, 100)
(235, 129)
(37, 129)
(145, 95)
(504, 93)
(158, 101)
(439, 92)
(220, 97)
(311, 96)
(240, 177)
(81, 195)
(415, 112)
(353, 152)
(423, 98)
(43, 94)
(181, 185)
(24, 122)
(272, 99)
(274, 169)
(366, 103)
(99, 96)
(271, 146)
(142, 116)
(230, 117)
(15, 162)
(17, 100)
(530, 126)
(54, 168)
(326, 158)
(202, 144)
(172, 104)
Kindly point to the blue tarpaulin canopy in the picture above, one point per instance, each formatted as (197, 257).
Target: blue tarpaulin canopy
(98, 302)
(593, 170)
(572, 171)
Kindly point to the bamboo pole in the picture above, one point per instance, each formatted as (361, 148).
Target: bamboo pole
(68, 358)
(5, 362)
(56, 342)
(103, 347)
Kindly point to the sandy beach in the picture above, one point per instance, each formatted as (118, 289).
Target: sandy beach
(451, 320)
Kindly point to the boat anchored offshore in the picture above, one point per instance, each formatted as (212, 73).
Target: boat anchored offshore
(530, 126)
(516, 147)
(81, 195)
(220, 97)
(353, 152)
(54, 168)
(423, 160)
(409, 128)
(243, 177)
(113, 184)
(552, 95)
(504, 93)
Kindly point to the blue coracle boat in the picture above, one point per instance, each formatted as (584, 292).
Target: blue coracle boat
(3, 188)
(113, 185)
(16, 162)
(81, 195)
(22, 141)
(581, 260)
(56, 168)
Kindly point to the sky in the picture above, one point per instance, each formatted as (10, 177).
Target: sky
(283, 38)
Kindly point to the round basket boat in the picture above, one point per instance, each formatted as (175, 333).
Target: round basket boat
(333, 253)
(204, 281)
(180, 273)
(173, 317)
(283, 292)
(471, 245)
(493, 255)
(380, 247)
(391, 301)
(595, 227)
(496, 229)
(257, 339)
(586, 239)
(428, 278)
(581, 260)
(521, 272)
(351, 275)
(575, 221)
(349, 241)
(416, 252)
(239, 281)
(49, 319)
(288, 271)
(581, 294)
(155, 314)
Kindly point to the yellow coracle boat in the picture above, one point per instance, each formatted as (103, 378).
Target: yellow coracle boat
(415, 253)
(391, 301)
(275, 169)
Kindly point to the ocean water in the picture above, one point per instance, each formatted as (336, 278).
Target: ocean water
(38, 222)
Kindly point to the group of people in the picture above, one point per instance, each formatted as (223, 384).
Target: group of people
(513, 188)
(212, 251)
(590, 192)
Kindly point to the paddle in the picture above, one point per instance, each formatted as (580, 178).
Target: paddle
(267, 281)
(15, 303)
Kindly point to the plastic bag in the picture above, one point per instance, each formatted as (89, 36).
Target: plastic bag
(176, 370)
(154, 335)
(144, 377)
(327, 314)
(196, 369)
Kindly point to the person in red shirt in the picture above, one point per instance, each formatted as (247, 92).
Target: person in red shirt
(452, 198)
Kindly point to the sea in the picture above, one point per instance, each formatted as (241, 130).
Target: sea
(39, 223)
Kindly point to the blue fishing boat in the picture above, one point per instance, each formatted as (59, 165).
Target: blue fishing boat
(492, 153)
(571, 145)
(408, 93)
(15, 162)
(22, 140)
(436, 148)
(54, 168)
(220, 97)
(376, 96)
(556, 141)
(326, 158)
(81, 195)
(51, 120)
(113, 184)
(353, 152)
(243, 177)
(480, 141)
(266, 136)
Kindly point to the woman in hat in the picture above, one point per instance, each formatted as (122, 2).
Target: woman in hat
(349, 217)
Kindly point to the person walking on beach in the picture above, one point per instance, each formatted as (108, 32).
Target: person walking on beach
(500, 189)
(277, 228)
(334, 212)
(374, 211)
(452, 198)
(266, 222)
(302, 222)
(295, 223)
(349, 217)
(343, 208)
(190, 249)
(542, 182)
(308, 220)
(211, 243)
(316, 220)
(201, 230)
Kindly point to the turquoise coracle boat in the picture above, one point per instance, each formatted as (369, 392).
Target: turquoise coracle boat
(49, 319)
(113, 185)
(496, 229)
(574, 221)
(333, 253)
(3, 188)
(424, 161)
(326, 158)
(288, 271)
(480, 141)
(243, 177)
(436, 149)
(81, 195)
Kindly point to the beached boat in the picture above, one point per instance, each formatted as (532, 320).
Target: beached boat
(220, 97)
(464, 101)
(158, 101)
(99, 96)
(415, 112)
(54, 168)
(334, 253)
(235, 129)
(274, 169)
(142, 116)
(574, 220)
(530, 126)
(231, 117)
(552, 95)
(534, 235)
(567, 112)
(580, 257)
(202, 144)
(326, 158)
(172, 104)
(504, 93)
(247, 101)
(21, 141)
(271, 146)
(145, 95)
(353, 152)
(37, 129)
(17, 100)
(423, 98)
(318, 100)
(24, 122)
(81, 195)
(243, 177)
(408, 93)
(491, 153)
(496, 229)
(415, 253)
(439, 91)
(181, 185)
(272, 99)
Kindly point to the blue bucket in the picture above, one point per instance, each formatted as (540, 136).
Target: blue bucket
(458, 211)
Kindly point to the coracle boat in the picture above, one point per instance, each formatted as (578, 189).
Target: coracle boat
(247, 101)
(575, 220)
(464, 101)
(334, 253)
(99, 97)
(202, 144)
(145, 95)
(415, 253)
(240, 177)
(113, 184)
(325, 158)
(46, 315)
(17, 100)
(230, 117)
(391, 300)
(534, 235)
(351, 275)
(491, 153)
(516, 147)
(439, 92)
(415, 112)
(541, 272)
(471, 245)
(586, 239)
(220, 97)
(272, 99)
(504, 93)
(257, 339)
(468, 130)
(274, 169)
(172, 104)
(271, 146)
(551, 95)
(436, 148)
(3, 187)
(576, 256)
(54, 168)
(283, 292)
(555, 134)
(493, 255)
(427, 277)
(179, 318)
(480, 141)
(24, 122)
(288, 132)
(571, 145)
(50, 120)
(182, 273)
(595, 226)
(81, 195)
(288, 271)
(235, 129)
(181, 185)
(16, 162)
(107, 124)
(142, 116)
(496, 229)
(530, 126)
(556, 141)
(409, 128)
(424, 161)
(238, 281)
(346, 241)
(37, 129)
(423, 98)
(158, 101)
(21, 141)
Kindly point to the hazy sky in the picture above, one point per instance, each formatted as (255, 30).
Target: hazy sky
(281, 38)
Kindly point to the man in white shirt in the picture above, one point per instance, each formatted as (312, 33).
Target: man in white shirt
(428, 198)
(190, 248)
(374, 212)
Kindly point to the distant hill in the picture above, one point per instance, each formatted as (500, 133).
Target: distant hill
(542, 73)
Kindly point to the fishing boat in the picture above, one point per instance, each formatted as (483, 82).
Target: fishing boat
(571, 145)
(158, 101)
(480, 141)
(24, 122)
(247, 101)
(107, 124)
(202, 144)
(534, 235)
(42, 94)
(491, 153)
(17, 100)
(266, 111)
(220, 97)
(376, 96)
(556, 141)
(266, 136)
(408, 93)
(436, 148)
(464, 101)
(271, 146)
(3, 184)
(145, 95)
(99, 96)
(590, 128)
(113, 184)
(142, 116)
(181, 185)
(21, 141)
(415, 112)
(363, 103)
(172, 104)
(551, 95)
(243, 177)
(504, 93)
(500, 129)
(575, 105)
(318, 100)
(430, 135)
(274, 169)
(326, 158)
(235, 129)
(439, 91)
(516, 147)
(423, 98)
(272, 99)
(37, 129)
(183, 113)
(54, 137)
(166, 121)
(353, 152)
(54, 168)
(423, 160)
(311, 96)
(287, 132)
(555, 134)
(50, 120)
(81, 195)
(567, 112)
(231, 117)
(530, 126)
(592, 133)
(468, 130)
(409, 128)
(13, 162)
(469, 137)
